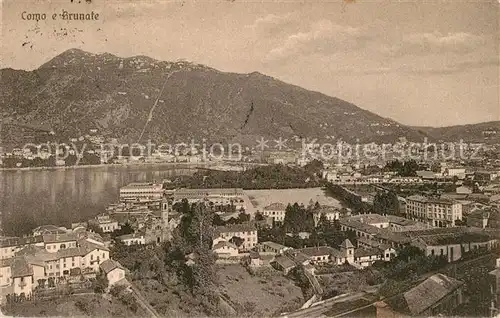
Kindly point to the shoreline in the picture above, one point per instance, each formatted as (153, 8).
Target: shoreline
(185, 165)
(180, 165)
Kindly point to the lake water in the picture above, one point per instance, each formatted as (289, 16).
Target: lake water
(59, 197)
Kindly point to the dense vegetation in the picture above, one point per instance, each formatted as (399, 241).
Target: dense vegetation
(264, 177)
(386, 202)
(348, 198)
(405, 169)
(183, 271)
(299, 219)
(404, 269)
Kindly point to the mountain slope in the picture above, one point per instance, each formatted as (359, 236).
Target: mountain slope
(488, 132)
(173, 102)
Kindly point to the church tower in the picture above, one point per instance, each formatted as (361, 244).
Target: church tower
(347, 250)
(165, 230)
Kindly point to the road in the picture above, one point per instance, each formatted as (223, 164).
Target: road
(319, 309)
(142, 301)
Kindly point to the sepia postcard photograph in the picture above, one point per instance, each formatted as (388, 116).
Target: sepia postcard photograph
(250, 158)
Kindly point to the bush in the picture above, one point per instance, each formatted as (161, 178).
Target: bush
(100, 283)
(116, 290)
(84, 306)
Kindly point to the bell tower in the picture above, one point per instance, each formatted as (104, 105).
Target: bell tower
(347, 250)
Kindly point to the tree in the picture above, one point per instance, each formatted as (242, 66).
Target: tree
(51, 282)
(236, 240)
(243, 217)
(124, 229)
(195, 228)
(259, 216)
(100, 283)
(41, 282)
(217, 221)
(93, 227)
(386, 202)
(314, 167)
(406, 169)
(298, 219)
(323, 222)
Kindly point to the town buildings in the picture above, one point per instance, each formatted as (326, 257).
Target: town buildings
(132, 239)
(214, 197)
(141, 191)
(435, 212)
(453, 243)
(325, 254)
(437, 295)
(114, 271)
(105, 223)
(486, 217)
(246, 232)
(272, 247)
(32, 260)
(225, 249)
(331, 214)
(276, 211)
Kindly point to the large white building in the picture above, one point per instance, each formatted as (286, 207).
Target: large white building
(141, 192)
(276, 211)
(105, 223)
(331, 214)
(435, 212)
(217, 197)
(246, 232)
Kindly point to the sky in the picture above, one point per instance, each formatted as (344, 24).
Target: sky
(422, 63)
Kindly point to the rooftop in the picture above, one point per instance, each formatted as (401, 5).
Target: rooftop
(362, 252)
(346, 244)
(109, 265)
(284, 261)
(20, 241)
(20, 267)
(277, 206)
(224, 243)
(243, 227)
(59, 238)
(49, 229)
(369, 218)
(129, 236)
(429, 292)
(373, 243)
(138, 185)
(274, 245)
(319, 251)
(422, 199)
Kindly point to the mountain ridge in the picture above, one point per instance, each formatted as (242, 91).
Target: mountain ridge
(174, 101)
